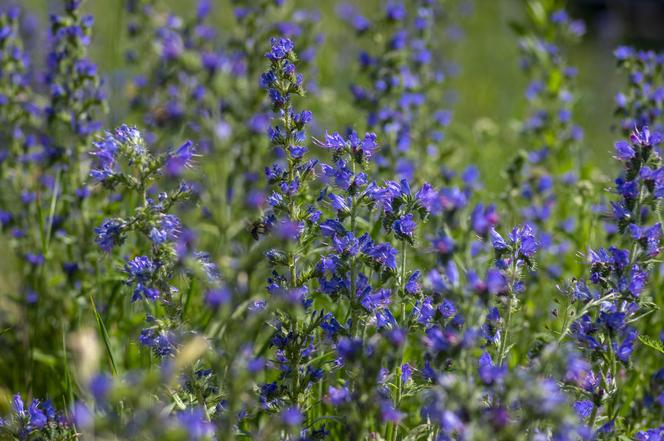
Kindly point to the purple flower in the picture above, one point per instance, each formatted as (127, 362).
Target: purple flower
(193, 421)
(168, 229)
(377, 299)
(648, 237)
(496, 282)
(626, 347)
(292, 416)
(413, 285)
(424, 311)
(624, 151)
(406, 372)
(334, 141)
(488, 372)
(525, 238)
(497, 241)
(281, 48)
(338, 396)
(100, 386)
(405, 226)
(627, 189)
(447, 308)
(17, 404)
(389, 414)
(141, 270)
(82, 415)
(483, 219)
(396, 12)
(180, 159)
(289, 230)
(35, 259)
(382, 253)
(642, 137)
(214, 298)
(349, 349)
(623, 52)
(346, 244)
(339, 203)
(583, 408)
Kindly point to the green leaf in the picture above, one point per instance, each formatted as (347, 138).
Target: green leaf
(518, 28)
(44, 358)
(652, 343)
(537, 13)
(104, 335)
(418, 432)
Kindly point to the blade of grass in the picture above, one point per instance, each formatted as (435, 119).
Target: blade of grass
(51, 214)
(68, 382)
(104, 335)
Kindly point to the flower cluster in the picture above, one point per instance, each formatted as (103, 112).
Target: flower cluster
(37, 420)
(641, 103)
(123, 160)
(606, 306)
(402, 81)
(75, 93)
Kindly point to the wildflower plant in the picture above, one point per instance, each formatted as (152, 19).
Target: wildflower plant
(123, 160)
(605, 307)
(640, 104)
(281, 276)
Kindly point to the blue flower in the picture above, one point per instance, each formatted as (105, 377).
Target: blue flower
(292, 416)
(338, 396)
(375, 300)
(648, 237)
(281, 48)
(583, 408)
(339, 203)
(626, 347)
(193, 421)
(412, 284)
(214, 298)
(424, 311)
(488, 372)
(180, 159)
(447, 308)
(497, 241)
(405, 226)
(389, 414)
(17, 404)
(496, 283)
(37, 418)
(396, 11)
(141, 270)
(349, 349)
(406, 372)
(624, 151)
(346, 244)
(168, 229)
(384, 254)
(525, 237)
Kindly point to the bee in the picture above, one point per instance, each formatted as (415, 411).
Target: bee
(261, 226)
(257, 229)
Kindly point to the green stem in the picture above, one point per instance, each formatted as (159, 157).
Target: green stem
(403, 268)
(503, 340)
(395, 432)
(353, 265)
(563, 329)
(593, 416)
(508, 319)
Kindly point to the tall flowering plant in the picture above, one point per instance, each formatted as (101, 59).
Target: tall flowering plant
(606, 307)
(362, 302)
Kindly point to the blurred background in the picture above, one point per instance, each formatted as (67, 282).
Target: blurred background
(488, 87)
